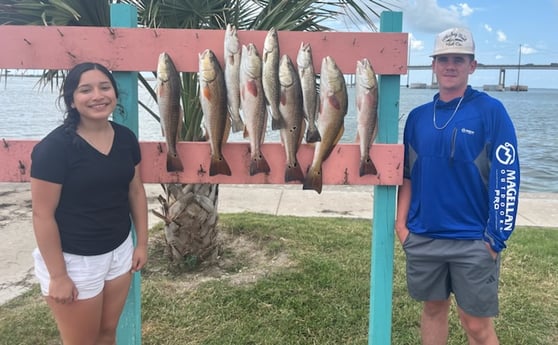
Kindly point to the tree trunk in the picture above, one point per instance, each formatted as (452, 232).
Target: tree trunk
(190, 215)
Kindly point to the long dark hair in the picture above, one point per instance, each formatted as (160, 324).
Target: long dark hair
(71, 82)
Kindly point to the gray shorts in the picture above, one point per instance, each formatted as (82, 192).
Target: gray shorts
(438, 267)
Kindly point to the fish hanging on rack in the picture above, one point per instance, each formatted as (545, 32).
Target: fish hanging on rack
(331, 118)
(252, 102)
(170, 112)
(292, 117)
(366, 95)
(213, 99)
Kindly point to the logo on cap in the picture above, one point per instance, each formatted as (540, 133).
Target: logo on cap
(454, 39)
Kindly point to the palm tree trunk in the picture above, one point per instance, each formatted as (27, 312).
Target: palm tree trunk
(190, 215)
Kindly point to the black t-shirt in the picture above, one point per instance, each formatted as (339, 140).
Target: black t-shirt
(93, 214)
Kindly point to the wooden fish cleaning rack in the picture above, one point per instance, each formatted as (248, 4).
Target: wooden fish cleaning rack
(127, 50)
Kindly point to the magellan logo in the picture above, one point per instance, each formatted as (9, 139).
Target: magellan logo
(505, 154)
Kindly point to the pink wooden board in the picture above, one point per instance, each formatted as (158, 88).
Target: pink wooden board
(137, 49)
(340, 168)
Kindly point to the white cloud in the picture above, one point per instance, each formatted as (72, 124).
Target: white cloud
(525, 49)
(427, 16)
(501, 36)
(416, 45)
(498, 57)
(466, 10)
(487, 27)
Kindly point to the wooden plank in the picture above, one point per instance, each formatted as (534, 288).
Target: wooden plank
(342, 167)
(137, 49)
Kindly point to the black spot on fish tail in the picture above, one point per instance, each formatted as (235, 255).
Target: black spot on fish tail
(219, 165)
(367, 167)
(313, 180)
(294, 173)
(174, 163)
(258, 165)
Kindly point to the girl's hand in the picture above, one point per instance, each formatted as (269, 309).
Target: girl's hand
(62, 290)
(139, 259)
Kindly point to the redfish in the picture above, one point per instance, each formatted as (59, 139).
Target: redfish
(213, 99)
(292, 115)
(307, 77)
(168, 99)
(331, 119)
(232, 50)
(252, 102)
(366, 94)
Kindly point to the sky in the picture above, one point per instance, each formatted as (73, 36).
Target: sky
(499, 28)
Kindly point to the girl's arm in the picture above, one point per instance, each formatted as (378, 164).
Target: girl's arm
(138, 209)
(44, 198)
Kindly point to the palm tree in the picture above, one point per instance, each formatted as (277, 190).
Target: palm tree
(190, 210)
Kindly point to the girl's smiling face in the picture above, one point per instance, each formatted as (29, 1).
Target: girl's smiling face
(95, 97)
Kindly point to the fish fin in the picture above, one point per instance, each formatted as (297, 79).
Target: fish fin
(294, 173)
(302, 131)
(332, 99)
(252, 87)
(262, 139)
(276, 124)
(206, 91)
(174, 163)
(259, 165)
(219, 165)
(313, 135)
(313, 179)
(236, 123)
(367, 167)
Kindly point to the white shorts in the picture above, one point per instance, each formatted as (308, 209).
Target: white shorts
(89, 273)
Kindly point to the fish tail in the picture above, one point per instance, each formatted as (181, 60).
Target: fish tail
(219, 165)
(367, 167)
(313, 135)
(174, 163)
(258, 164)
(237, 125)
(313, 180)
(276, 123)
(294, 173)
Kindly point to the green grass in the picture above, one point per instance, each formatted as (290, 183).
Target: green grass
(291, 280)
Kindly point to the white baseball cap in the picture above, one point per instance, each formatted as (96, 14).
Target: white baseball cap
(454, 41)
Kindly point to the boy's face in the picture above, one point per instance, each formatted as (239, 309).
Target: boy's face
(452, 70)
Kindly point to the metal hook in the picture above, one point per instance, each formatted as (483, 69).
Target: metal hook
(21, 168)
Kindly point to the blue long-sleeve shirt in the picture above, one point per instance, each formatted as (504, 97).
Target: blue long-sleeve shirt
(464, 176)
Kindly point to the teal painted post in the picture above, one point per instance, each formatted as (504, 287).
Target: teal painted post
(381, 278)
(129, 326)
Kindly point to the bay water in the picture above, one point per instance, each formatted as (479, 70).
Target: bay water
(30, 112)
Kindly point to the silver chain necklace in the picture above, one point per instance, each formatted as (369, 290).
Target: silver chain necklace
(451, 117)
